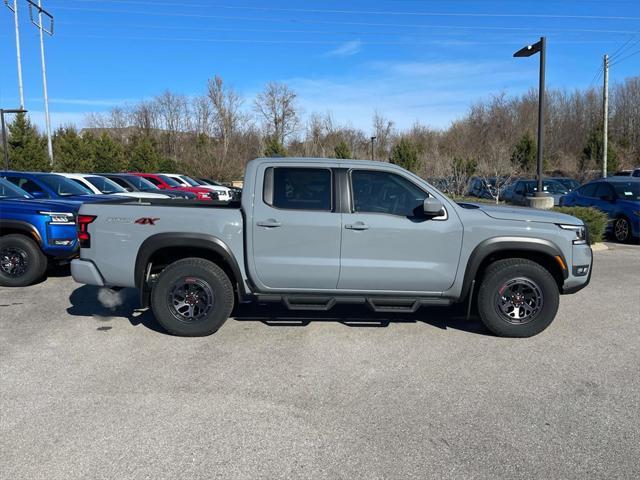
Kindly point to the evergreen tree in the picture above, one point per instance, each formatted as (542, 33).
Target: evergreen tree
(273, 148)
(107, 153)
(342, 150)
(143, 155)
(167, 165)
(70, 152)
(593, 152)
(27, 148)
(525, 153)
(405, 154)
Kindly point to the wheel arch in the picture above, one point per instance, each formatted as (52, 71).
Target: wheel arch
(8, 227)
(543, 252)
(164, 248)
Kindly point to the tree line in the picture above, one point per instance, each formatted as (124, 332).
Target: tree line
(215, 134)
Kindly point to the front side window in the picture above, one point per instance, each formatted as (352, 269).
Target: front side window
(28, 186)
(300, 188)
(588, 190)
(170, 181)
(384, 192)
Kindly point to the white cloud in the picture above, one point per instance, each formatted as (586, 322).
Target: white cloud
(347, 49)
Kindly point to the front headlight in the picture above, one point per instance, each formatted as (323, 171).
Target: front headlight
(637, 213)
(580, 232)
(60, 218)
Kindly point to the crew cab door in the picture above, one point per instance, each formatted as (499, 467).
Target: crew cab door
(388, 244)
(295, 228)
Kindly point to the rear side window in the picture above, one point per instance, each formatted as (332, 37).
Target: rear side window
(295, 188)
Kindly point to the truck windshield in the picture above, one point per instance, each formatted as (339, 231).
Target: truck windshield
(105, 185)
(9, 190)
(170, 181)
(62, 185)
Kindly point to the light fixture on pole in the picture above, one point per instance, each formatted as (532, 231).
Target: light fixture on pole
(13, 6)
(49, 31)
(538, 47)
(372, 154)
(5, 147)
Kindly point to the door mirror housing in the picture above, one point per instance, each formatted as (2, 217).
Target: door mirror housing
(432, 207)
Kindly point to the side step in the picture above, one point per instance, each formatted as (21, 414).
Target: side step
(380, 304)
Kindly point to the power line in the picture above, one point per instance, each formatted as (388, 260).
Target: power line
(371, 12)
(620, 60)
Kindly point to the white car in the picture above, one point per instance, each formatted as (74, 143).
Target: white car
(224, 193)
(101, 185)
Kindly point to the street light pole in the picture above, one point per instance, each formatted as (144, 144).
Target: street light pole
(372, 154)
(539, 47)
(5, 147)
(14, 8)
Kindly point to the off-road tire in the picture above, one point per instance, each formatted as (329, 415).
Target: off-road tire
(535, 280)
(201, 279)
(34, 262)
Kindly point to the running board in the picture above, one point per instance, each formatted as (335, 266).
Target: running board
(376, 303)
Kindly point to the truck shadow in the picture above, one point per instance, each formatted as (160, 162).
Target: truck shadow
(105, 305)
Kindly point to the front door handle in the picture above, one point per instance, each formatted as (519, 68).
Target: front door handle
(357, 226)
(269, 223)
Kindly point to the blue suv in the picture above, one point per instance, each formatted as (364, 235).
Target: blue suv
(50, 185)
(618, 197)
(32, 232)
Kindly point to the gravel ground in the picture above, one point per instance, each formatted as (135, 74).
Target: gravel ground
(91, 388)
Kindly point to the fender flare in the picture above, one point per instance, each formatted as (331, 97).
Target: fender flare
(496, 244)
(21, 226)
(180, 239)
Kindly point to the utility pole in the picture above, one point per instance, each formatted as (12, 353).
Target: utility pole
(372, 153)
(49, 32)
(14, 8)
(605, 115)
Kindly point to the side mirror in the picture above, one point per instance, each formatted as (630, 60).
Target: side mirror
(432, 207)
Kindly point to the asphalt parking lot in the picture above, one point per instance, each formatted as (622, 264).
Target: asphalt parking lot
(91, 388)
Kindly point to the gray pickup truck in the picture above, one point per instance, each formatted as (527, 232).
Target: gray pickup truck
(312, 233)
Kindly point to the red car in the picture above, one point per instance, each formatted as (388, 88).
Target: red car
(166, 183)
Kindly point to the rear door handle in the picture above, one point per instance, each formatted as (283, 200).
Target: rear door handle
(269, 223)
(357, 226)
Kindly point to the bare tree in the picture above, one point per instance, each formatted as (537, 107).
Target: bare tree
(226, 115)
(383, 131)
(277, 108)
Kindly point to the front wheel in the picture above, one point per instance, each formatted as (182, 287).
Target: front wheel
(517, 298)
(193, 297)
(21, 261)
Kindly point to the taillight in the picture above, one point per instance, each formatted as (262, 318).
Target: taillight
(83, 232)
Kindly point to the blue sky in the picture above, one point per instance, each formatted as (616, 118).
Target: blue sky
(409, 60)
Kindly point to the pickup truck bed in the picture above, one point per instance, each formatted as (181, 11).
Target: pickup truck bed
(315, 232)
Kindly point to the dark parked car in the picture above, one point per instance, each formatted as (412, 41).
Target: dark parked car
(134, 183)
(486, 187)
(527, 188)
(618, 197)
(569, 183)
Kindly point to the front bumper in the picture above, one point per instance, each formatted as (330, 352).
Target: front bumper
(581, 255)
(85, 271)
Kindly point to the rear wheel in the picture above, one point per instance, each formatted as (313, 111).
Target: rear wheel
(21, 261)
(622, 230)
(192, 297)
(517, 298)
